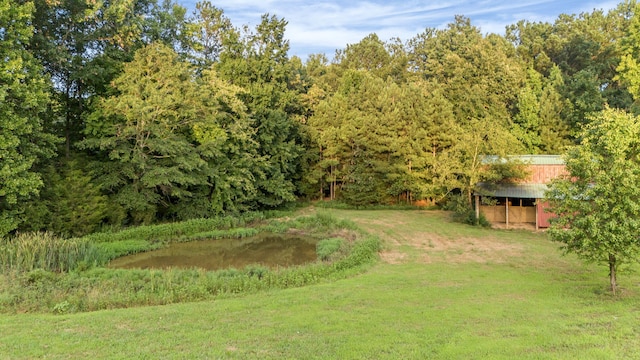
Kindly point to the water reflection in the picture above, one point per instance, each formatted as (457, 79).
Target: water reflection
(265, 249)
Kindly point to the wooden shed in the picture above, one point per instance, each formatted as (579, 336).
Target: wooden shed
(521, 202)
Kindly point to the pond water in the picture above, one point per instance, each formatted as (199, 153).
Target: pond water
(270, 250)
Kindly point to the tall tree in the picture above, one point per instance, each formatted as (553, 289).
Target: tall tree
(210, 25)
(598, 202)
(142, 130)
(373, 55)
(258, 62)
(82, 45)
(477, 74)
(23, 99)
(177, 144)
(538, 121)
(588, 54)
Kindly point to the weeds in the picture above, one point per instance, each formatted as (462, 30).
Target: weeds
(75, 281)
(327, 247)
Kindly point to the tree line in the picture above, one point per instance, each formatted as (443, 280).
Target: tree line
(127, 112)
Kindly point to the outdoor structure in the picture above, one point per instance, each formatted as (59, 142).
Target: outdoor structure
(521, 202)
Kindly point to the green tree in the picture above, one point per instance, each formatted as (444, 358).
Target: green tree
(598, 202)
(210, 27)
(478, 74)
(373, 55)
(145, 131)
(526, 122)
(555, 134)
(70, 203)
(23, 99)
(82, 45)
(224, 137)
(476, 140)
(587, 51)
(538, 121)
(629, 67)
(257, 61)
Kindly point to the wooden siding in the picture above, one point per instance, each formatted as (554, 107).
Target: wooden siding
(517, 214)
(543, 217)
(543, 174)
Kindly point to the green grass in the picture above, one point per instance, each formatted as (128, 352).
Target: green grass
(473, 293)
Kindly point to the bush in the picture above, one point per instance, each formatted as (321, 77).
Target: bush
(178, 230)
(464, 213)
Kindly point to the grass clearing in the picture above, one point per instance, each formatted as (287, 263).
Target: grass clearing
(517, 298)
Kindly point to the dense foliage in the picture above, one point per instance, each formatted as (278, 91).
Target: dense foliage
(158, 115)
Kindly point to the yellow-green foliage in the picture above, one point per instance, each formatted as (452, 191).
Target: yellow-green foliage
(43, 250)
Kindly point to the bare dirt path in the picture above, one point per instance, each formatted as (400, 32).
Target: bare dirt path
(430, 236)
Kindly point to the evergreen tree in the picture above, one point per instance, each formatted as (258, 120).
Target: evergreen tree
(144, 131)
(258, 62)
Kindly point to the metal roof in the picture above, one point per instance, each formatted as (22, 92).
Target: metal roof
(526, 159)
(520, 191)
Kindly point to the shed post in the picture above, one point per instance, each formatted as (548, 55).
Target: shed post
(506, 206)
(537, 220)
(477, 208)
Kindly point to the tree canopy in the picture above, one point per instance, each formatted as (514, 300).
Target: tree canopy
(598, 202)
(166, 114)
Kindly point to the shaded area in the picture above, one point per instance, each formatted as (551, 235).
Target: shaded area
(270, 250)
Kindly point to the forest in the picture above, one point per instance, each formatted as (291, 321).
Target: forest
(125, 112)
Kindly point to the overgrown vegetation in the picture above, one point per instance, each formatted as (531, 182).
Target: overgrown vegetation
(44, 251)
(327, 247)
(462, 211)
(43, 273)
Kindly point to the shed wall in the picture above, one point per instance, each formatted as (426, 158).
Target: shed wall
(517, 214)
(543, 174)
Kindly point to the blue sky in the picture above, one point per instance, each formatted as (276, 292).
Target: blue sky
(318, 26)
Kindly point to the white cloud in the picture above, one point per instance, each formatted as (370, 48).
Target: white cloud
(324, 26)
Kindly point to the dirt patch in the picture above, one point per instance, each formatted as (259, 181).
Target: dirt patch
(393, 257)
(428, 248)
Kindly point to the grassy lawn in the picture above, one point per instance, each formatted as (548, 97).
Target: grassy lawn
(441, 291)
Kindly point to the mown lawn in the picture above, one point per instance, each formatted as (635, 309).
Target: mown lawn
(442, 291)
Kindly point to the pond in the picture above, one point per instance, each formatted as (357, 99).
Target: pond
(271, 250)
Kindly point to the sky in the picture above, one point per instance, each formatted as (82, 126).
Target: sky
(323, 26)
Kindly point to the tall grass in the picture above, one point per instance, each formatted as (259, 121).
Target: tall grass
(102, 288)
(43, 250)
(46, 273)
(172, 231)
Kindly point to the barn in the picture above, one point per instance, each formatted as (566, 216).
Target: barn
(520, 202)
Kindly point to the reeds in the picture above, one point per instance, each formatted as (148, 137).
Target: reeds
(179, 230)
(43, 250)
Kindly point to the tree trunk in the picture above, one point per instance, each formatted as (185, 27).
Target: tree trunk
(612, 273)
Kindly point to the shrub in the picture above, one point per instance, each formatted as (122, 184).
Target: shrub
(464, 213)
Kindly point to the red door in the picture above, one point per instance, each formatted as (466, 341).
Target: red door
(543, 216)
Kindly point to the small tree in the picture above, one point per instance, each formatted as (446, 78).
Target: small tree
(598, 202)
